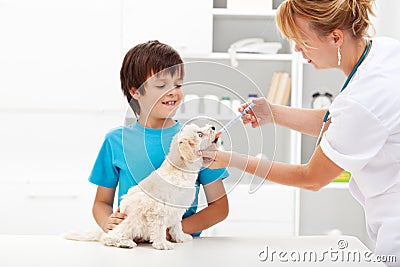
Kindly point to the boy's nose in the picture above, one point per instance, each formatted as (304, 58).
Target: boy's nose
(173, 91)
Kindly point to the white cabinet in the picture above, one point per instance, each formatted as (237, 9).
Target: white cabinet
(46, 208)
(183, 24)
(269, 211)
(332, 208)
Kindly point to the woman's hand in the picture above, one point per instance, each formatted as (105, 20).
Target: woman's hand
(259, 115)
(215, 159)
(113, 220)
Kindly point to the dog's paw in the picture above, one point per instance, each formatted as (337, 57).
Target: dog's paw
(125, 243)
(108, 241)
(163, 245)
(180, 238)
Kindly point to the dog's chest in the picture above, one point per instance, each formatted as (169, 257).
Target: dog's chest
(177, 188)
(173, 215)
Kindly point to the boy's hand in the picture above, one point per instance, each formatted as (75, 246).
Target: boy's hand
(113, 220)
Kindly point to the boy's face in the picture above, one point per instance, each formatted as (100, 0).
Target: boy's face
(163, 94)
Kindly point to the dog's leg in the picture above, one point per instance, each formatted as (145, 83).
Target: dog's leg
(124, 232)
(178, 235)
(108, 239)
(126, 243)
(158, 237)
(115, 238)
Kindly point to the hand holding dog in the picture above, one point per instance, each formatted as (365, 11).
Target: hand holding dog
(113, 220)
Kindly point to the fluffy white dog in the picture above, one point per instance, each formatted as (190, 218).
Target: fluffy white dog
(160, 200)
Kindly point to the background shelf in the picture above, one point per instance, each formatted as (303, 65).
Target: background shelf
(224, 12)
(242, 56)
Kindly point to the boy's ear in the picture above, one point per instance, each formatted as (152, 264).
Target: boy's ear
(134, 93)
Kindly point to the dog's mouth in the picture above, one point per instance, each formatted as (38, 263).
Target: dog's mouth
(207, 161)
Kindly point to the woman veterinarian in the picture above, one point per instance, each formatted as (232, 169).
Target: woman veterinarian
(362, 130)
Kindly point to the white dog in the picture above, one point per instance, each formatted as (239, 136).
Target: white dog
(160, 200)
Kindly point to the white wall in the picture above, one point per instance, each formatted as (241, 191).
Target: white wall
(59, 94)
(387, 18)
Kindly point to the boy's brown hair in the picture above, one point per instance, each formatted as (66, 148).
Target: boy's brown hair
(143, 61)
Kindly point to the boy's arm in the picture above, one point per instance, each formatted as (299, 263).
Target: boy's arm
(103, 209)
(216, 211)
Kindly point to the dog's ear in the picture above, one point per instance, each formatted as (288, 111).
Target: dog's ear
(187, 149)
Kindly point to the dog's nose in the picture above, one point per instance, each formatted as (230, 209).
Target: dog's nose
(212, 127)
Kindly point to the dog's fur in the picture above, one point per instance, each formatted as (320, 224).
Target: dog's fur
(160, 200)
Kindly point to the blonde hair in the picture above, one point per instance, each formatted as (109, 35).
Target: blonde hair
(324, 16)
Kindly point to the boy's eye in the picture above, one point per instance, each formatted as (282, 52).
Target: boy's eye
(160, 86)
(178, 85)
(200, 134)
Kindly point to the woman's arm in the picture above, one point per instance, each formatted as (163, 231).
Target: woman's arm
(103, 209)
(307, 121)
(216, 211)
(314, 175)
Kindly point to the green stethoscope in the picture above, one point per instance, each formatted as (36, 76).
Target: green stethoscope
(360, 60)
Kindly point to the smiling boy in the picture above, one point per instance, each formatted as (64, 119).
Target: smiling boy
(151, 79)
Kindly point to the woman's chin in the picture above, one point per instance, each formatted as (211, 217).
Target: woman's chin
(317, 67)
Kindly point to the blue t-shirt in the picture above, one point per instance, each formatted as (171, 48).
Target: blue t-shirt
(129, 154)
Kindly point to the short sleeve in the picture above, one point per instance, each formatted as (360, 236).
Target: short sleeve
(355, 135)
(207, 176)
(104, 172)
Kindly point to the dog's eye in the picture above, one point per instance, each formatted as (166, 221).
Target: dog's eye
(200, 134)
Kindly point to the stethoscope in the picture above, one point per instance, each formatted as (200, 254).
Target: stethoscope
(360, 60)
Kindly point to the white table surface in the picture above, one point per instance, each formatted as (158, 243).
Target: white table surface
(54, 251)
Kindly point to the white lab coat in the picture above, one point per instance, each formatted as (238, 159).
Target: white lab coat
(364, 138)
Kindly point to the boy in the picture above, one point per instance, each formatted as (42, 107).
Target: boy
(151, 79)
